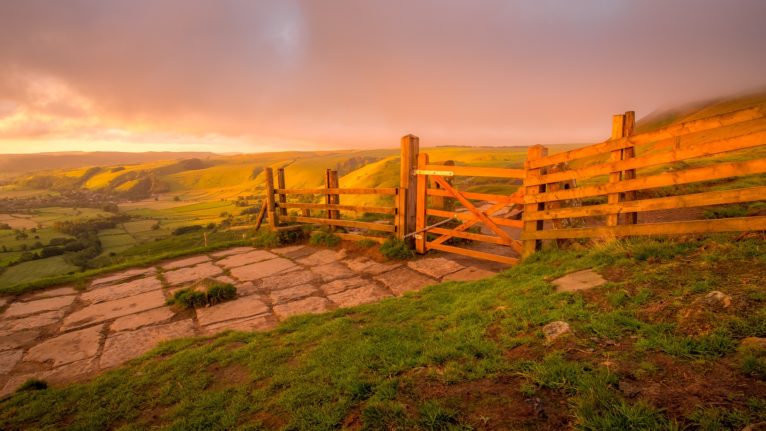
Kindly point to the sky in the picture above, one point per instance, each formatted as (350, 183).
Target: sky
(251, 76)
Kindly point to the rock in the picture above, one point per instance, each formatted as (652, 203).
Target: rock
(9, 359)
(112, 309)
(231, 251)
(580, 280)
(194, 273)
(436, 267)
(338, 286)
(242, 307)
(183, 263)
(4, 300)
(717, 299)
(322, 257)
(17, 339)
(246, 258)
(309, 305)
(555, 330)
(127, 345)
(292, 293)
(332, 271)
(25, 308)
(122, 290)
(263, 269)
(294, 278)
(31, 322)
(50, 293)
(402, 280)
(66, 348)
(286, 251)
(134, 321)
(358, 296)
(368, 266)
(125, 275)
(247, 288)
(469, 274)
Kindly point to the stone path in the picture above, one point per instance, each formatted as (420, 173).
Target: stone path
(62, 334)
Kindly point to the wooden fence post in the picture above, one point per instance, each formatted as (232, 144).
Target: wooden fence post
(282, 196)
(628, 125)
(410, 146)
(618, 122)
(531, 245)
(335, 198)
(442, 202)
(270, 204)
(420, 206)
(328, 196)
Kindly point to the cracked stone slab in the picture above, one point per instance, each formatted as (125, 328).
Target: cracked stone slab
(436, 267)
(183, 263)
(469, 273)
(231, 251)
(122, 290)
(333, 271)
(18, 309)
(64, 373)
(368, 266)
(9, 359)
(17, 339)
(338, 286)
(66, 348)
(31, 322)
(292, 293)
(248, 288)
(322, 257)
(263, 269)
(358, 296)
(121, 276)
(310, 305)
(112, 309)
(288, 280)
(194, 273)
(50, 293)
(257, 323)
(580, 280)
(289, 250)
(403, 280)
(145, 318)
(246, 258)
(4, 301)
(238, 308)
(123, 346)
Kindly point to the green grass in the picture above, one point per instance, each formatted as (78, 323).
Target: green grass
(34, 270)
(403, 363)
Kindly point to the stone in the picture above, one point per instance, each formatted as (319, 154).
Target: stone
(112, 309)
(231, 251)
(123, 346)
(286, 251)
(436, 267)
(257, 323)
(246, 258)
(4, 300)
(368, 266)
(131, 273)
(26, 308)
(17, 339)
(183, 263)
(338, 286)
(358, 296)
(50, 293)
(555, 330)
(32, 322)
(580, 280)
(288, 280)
(332, 271)
(66, 348)
(122, 290)
(247, 288)
(9, 359)
(469, 273)
(403, 280)
(194, 273)
(310, 305)
(717, 299)
(236, 309)
(292, 293)
(145, 318)
(226, 279)
(263, 269)
(322, 257)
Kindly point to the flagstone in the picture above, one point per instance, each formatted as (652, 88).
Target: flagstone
(183, 263)
(17, 339)
(123, 276)
(263, 269)
(9, 359)
(17, 309)
(333, 271)
(122, 290)
(368, 266)
(310, 305)
(403, 280)
(238, 308)
(145, 318)
(357, 296)
(338, 286)
(123, 346)
(193, 273)
(231, 251)
(50, 293)
(294, 278)
(246, 258)
(292, 293)
(436, 267)
(66, 348)
(112, 309)
(257, 323)
(469, 273)
(31, 322)
(322, 257)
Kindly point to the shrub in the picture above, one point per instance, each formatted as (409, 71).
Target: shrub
(33, 385)
(396, 249)
(190, 298)
(325, 238)
(220, 292)
(215, 294)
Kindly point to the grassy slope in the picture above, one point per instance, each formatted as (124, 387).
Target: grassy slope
(466, 355)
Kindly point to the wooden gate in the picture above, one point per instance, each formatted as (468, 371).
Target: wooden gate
(432, 224)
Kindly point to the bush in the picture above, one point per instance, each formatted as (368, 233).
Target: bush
(220, 292)
(396, 249)
(325, 238)
(190, 298)
(215, 294)
(186, 229)
(33, 385)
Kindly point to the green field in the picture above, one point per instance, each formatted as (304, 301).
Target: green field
(34, 270)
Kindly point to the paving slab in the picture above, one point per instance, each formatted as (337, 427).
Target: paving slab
(436, 267)
(18, 339)
(4, 301)
(286, 251)
(322, 257)
(293, 278)
(121, 290)
(50, 293)
(333, 271)
(236, 309)
(183, 263)
(35, 321)
(145, 318)
(121, 276)
(194, 273)
(123, 346)
(246, 258)
(257, 323)
(231, 251)
(112, 309)
(226, 279)
(310, 305)
(469, 274)
(64, 373)
(66, 348)
(338, 286)
(248, 288)
(580, 280)
(358, 296)
(403, 280)
(292, 293)
(9, 359)
(368, 266)
(18, 309)
(263, 269)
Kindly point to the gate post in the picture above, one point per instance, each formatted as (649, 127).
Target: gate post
(529, 246)
(282, 196)
(271, 211)
(618, 123)
(628, 125)
(410, 146)
(420, 206)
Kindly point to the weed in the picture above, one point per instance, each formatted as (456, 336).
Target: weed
(324, 238)
(33, 385)
(192, 298)
(266, 239)
(396, 249)
(367, 243)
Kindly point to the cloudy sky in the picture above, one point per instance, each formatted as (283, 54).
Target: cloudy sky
(248, 76)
